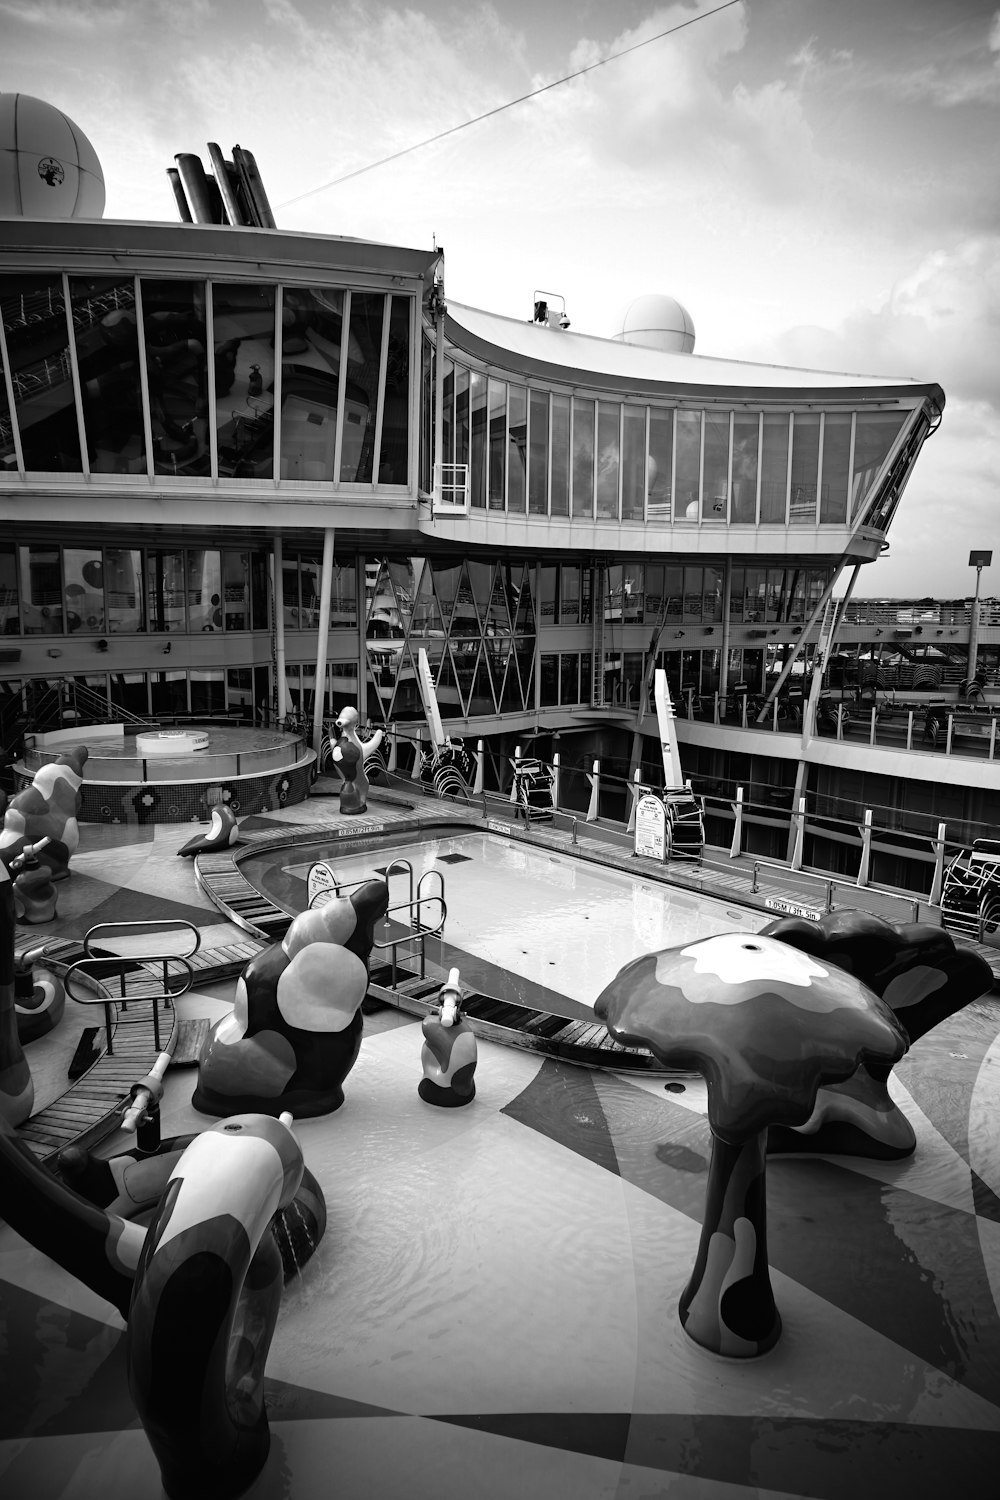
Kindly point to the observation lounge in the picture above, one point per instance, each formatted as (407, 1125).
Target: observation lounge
(250, 475)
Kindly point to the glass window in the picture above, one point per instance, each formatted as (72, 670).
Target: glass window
(123, 590)
(755, 584)
(549, 577)
(569, 678)
(169, 694)
(208, 691)
(608, 459)
(462, 446)
(34, 320)
(130, 691)
(448, 413)
(711, 610)
(312, 323)
(805, 468)
(736, 594)
(243, 326)
(343, 596)
(236, 590)
(84, 591)
(550, 681)
(9, 620)
(393, 464)
(654, 592)
(774, 597)
(560, 456)
(774, 469)
(688, 465)
(569, 595)
(165, 591)
(342, 687)
(836, 466)
(8, 453)
(694, 581)
(583, 457)
(746, 435)
(875, 433)
(173, 321)
(538, 468)
(674, 594)
(204, 589)
(107, 353)
(477, 404)
(364, 357)
(310, 574)
(497, 399)
(633, 463)
(427, 365)
(41, 591)
(716, 482)
(661, 447)
(517, 451)
(239, 690)
(613, 592)
(260, 590)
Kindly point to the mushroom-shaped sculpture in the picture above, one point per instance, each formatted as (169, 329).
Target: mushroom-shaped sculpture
(767, 1025)
(923, 977)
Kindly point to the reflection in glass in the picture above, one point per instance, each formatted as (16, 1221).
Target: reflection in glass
(462, 440)
(517, 451)
(569, 594)
(875, 434)
(343, 596)
(208, 691)
(236, 590)
(661, 448)
(805, 468)
(173, 317)
(393, 463)
(569, 678)
(123, 589)
(497, 402)
(654, 592)
(583, 457)
(312, 321)
(836, 466)
(477, 406)
(239, 690)
(448, 413)
(9, 622)
(130, 691)
(84, 590)
(243, 326)
(549, 667)
(774, 469)
(34, 319)
(688, 466)
(107, 353)
(538, 469)
(746, 441)
(715, 487)
(8, 453)
(560, 456)
(204, 589)
(608, 456)
(165, 590)
(693, 590)
(168, 692)
(364, 356)
(633, 463)
(310, 573)
(41, 590)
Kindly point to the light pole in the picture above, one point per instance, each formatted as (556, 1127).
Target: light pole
(979, 561)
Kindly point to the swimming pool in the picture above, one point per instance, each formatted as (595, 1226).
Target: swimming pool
(542, 916)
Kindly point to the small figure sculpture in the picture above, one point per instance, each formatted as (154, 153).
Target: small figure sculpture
(295, 1029)
(35, 895)
(766, 1025)
(222, 833)
(47, 810)
(39, 997)
(449, 1052)
(921, 975)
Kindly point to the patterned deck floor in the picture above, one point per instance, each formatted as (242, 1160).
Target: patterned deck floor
(493, 1308)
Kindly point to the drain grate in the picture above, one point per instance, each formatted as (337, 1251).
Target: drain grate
(454, 859)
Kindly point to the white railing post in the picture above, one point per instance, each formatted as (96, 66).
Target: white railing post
(417, 758)
(477, 786)
(516, 763)
(937, 884)
(799, 817)
(594, 777)
(390, 760)
(736, 848)
(555, 778)
(866, 848)
(909, 730)
(871, 733)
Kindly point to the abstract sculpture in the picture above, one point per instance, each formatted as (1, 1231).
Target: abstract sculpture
(767, 1025)
(39, 997)
(295, 1029)
(449, 1052)
(17, 1094)
(222, 833)
(35, 894)
(47, 809)
(349, 754)
(923, 978)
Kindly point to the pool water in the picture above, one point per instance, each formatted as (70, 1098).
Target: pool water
(544, 916)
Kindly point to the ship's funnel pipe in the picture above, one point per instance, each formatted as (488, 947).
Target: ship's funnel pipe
(253, 186)
(196, 186)
(226, 184)
(178, 190)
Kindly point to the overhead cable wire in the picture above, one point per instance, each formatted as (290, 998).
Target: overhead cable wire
(511, 103)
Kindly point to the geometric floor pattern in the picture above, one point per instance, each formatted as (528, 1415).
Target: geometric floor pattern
(493, 1309)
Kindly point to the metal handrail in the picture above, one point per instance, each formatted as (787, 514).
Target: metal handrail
(100, 967)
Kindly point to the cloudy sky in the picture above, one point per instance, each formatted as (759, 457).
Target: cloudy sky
(818, 181)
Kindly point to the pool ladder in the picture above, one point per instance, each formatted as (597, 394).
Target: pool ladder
(429, 892)
(93, 971)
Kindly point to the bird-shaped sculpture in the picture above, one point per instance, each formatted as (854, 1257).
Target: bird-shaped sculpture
(222, 833)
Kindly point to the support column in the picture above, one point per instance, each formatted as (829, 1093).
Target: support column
(278, 605)
(322, 640)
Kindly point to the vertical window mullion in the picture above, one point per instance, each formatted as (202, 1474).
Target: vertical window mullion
(213, 426)
(345, 344)
(279, 298)
(81, 430)
(380, 402)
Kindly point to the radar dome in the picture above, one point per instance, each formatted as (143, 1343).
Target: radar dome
(658, 322)
(48, 168)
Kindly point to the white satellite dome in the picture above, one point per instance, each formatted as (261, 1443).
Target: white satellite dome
(48, 168)
(657, 322)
